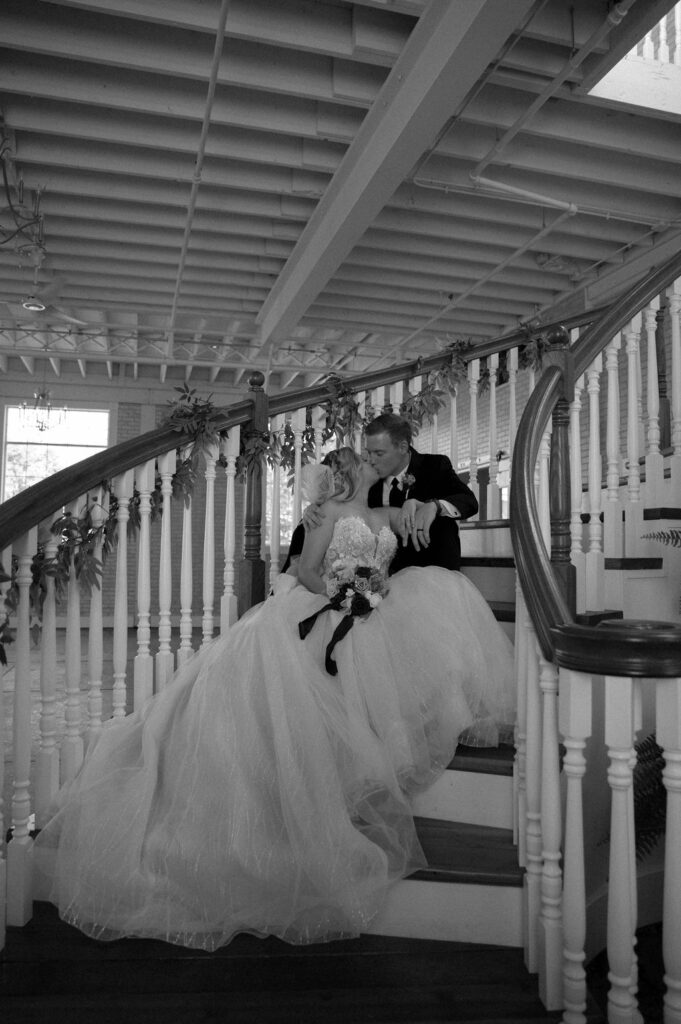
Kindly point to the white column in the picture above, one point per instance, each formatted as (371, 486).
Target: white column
(208, 621)
(577, 555)
(674, 294)
(228, 602)
(668, 734)
(473, 380)
(493, 492)
(654, 462)
(453, 435)
(551, 920)
(512, 365)
(143, 670)
(575, 725)
(613, 531)
(634, 515)
(95, 641)
(619, 737)
(72, 741)
(123, 488)
(185, 649)
(595, 565)
(276, 426)
(533, 840)
(20, 847)
(319, 423)
(164, 661)
(4, 587)
(47, 759)
(297, 426)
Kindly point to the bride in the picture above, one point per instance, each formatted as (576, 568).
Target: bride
(266, 788)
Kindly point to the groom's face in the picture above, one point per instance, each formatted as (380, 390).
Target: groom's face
(385, 456)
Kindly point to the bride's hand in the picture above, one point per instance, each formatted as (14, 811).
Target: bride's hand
(406, 520)
(424, 518)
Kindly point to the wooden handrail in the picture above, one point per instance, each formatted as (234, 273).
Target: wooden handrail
(547, 608)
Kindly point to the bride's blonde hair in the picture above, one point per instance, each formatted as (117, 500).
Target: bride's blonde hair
(338, 476)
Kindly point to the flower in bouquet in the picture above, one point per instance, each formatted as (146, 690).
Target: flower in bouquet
(351, 588)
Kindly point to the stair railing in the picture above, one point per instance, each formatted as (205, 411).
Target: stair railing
(564, 662)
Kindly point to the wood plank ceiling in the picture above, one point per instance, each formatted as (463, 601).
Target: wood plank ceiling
(197, 188)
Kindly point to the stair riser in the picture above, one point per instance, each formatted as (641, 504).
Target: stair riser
(453, 912)
(471, 797)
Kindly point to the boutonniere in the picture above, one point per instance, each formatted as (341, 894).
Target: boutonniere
(408, 480)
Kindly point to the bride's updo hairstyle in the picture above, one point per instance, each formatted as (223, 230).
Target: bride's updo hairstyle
(337, 476)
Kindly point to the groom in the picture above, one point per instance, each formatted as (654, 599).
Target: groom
(428, 492)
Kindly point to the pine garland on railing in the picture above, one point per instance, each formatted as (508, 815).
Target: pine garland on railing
(195, 419)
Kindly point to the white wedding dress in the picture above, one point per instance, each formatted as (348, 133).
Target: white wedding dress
(257, 792)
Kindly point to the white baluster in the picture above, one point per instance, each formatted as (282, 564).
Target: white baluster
(613, 533)
(19, 849)
(663, 45)
(319, 423)
(512, 366)
(228, 602)
(143, 669)
(164, 661)
(95, 643)
(123, 487)
(396, 396)
(675, 57)
(473, 382)
(277, 426)
(595, 564)
(493, 492)
(551, 923)
(577, 555)
(634, 515)
(520, 656)
(208, 622)
(72, 746)
(297, 426)
(619, 735)
(575, 725)
(185, 649)
(668, 734)
(47, 759)
(533, 842)
(654, 462)
(453, 433)
(674, 294)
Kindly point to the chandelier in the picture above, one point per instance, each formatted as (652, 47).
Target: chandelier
(39, 413)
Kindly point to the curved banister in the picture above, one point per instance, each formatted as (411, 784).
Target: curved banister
(546, 605)
(545, 602)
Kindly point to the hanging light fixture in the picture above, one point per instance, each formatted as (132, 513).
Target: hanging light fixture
(39, 413)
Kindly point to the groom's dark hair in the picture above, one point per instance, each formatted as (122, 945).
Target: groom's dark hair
(396, 427)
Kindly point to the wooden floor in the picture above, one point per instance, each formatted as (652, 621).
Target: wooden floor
(53, 974)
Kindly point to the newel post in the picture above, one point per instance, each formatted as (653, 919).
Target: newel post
(559, 472)
(251, 586)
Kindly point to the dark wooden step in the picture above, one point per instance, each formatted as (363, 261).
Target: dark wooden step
(486, 760)
(491, 561)
(50, 972)
(633, 563)
(504, 611)
(588, 618)
(652, 514)
(470, 854)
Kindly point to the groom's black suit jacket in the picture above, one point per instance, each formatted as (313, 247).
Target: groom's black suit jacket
(434, 477)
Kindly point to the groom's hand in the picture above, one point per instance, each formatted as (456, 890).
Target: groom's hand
(312, 517)
(411, 524)
(423, 520)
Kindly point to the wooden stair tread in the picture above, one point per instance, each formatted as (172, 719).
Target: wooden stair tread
(588, 618)
(470, 854)
(492, 561)
(633, 563)
(486, 760)
(651, 514)
(504, 611)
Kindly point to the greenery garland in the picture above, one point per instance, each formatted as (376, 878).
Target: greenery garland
(196, 420)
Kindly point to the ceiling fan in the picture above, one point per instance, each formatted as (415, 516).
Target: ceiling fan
(40, 305)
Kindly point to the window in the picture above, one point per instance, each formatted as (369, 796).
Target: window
(32, 454)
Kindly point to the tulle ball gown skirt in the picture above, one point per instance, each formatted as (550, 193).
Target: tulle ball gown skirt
(257, 792)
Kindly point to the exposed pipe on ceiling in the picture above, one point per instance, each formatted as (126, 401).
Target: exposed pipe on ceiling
(613, 18)
(198, 166)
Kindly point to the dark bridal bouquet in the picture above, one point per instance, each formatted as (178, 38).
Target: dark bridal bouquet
(352, 588)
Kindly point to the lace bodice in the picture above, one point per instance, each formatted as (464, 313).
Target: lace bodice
(354, 541)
